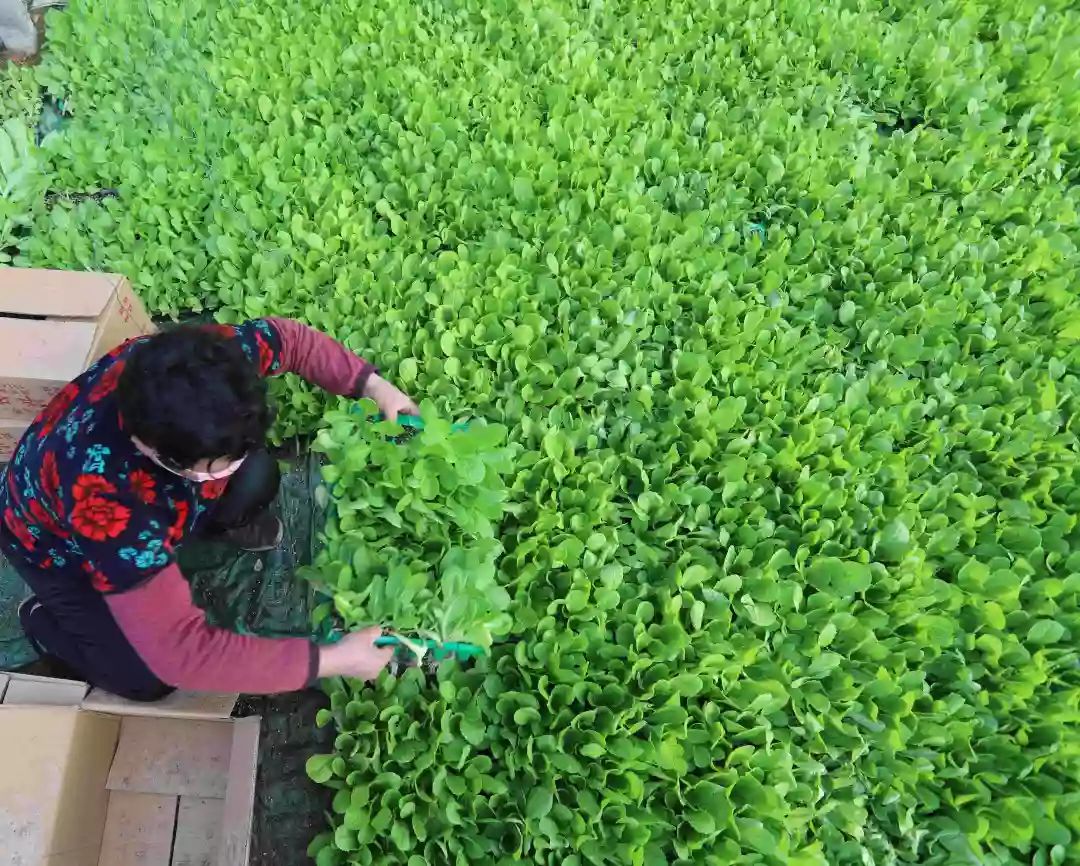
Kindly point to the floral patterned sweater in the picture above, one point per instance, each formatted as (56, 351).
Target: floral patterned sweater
(81, 503)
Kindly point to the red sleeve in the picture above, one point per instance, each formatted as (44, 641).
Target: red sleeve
(320, 359)
(171, 635)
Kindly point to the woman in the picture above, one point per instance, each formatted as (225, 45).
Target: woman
(161, 439)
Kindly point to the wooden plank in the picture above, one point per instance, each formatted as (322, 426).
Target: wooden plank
(178, 705)
(138, 830)
(172, 756)
(198, 831)
(240, 799)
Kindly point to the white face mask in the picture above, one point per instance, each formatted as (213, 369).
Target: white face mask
(189, 474)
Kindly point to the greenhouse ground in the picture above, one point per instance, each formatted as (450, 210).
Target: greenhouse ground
(763, 315)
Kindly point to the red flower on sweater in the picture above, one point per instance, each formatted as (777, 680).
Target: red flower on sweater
(50, 416)
(142, 485)
(50, 482)
(266, 354)
(87, 486)
(99, 518)
(93, 515)
(19, 530)
(214, 488)
(179, 526)
(107, 383)
(45, 520)
(97, 580)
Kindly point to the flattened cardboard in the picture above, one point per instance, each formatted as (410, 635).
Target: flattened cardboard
(26, 690)
(198, 832)
(138, 830)
(178, 705)
(239, 811)
(172, 756)
(55, 763)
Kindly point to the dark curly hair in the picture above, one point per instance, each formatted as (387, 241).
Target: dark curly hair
(191, 394)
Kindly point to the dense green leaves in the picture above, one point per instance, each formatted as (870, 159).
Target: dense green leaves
(21, 183)
(775, 303)
(411, 541)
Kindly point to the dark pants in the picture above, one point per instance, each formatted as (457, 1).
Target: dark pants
(73, 623)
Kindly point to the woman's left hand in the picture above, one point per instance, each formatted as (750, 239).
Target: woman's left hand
(392, 401)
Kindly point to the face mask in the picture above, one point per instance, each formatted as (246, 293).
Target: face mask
(192, 475)
(189, 474)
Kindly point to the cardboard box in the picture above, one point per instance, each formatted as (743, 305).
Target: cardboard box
(53, 325)
(85, 783)
(10, 434)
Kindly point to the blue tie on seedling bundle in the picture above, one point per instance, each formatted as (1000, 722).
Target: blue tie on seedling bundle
(404, 655)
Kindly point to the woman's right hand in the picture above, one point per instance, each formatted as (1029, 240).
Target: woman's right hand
(355, 655)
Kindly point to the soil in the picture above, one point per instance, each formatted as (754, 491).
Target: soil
(290, 809)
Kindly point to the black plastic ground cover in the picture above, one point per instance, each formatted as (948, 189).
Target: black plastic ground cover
(290, 809)
(258, 593)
